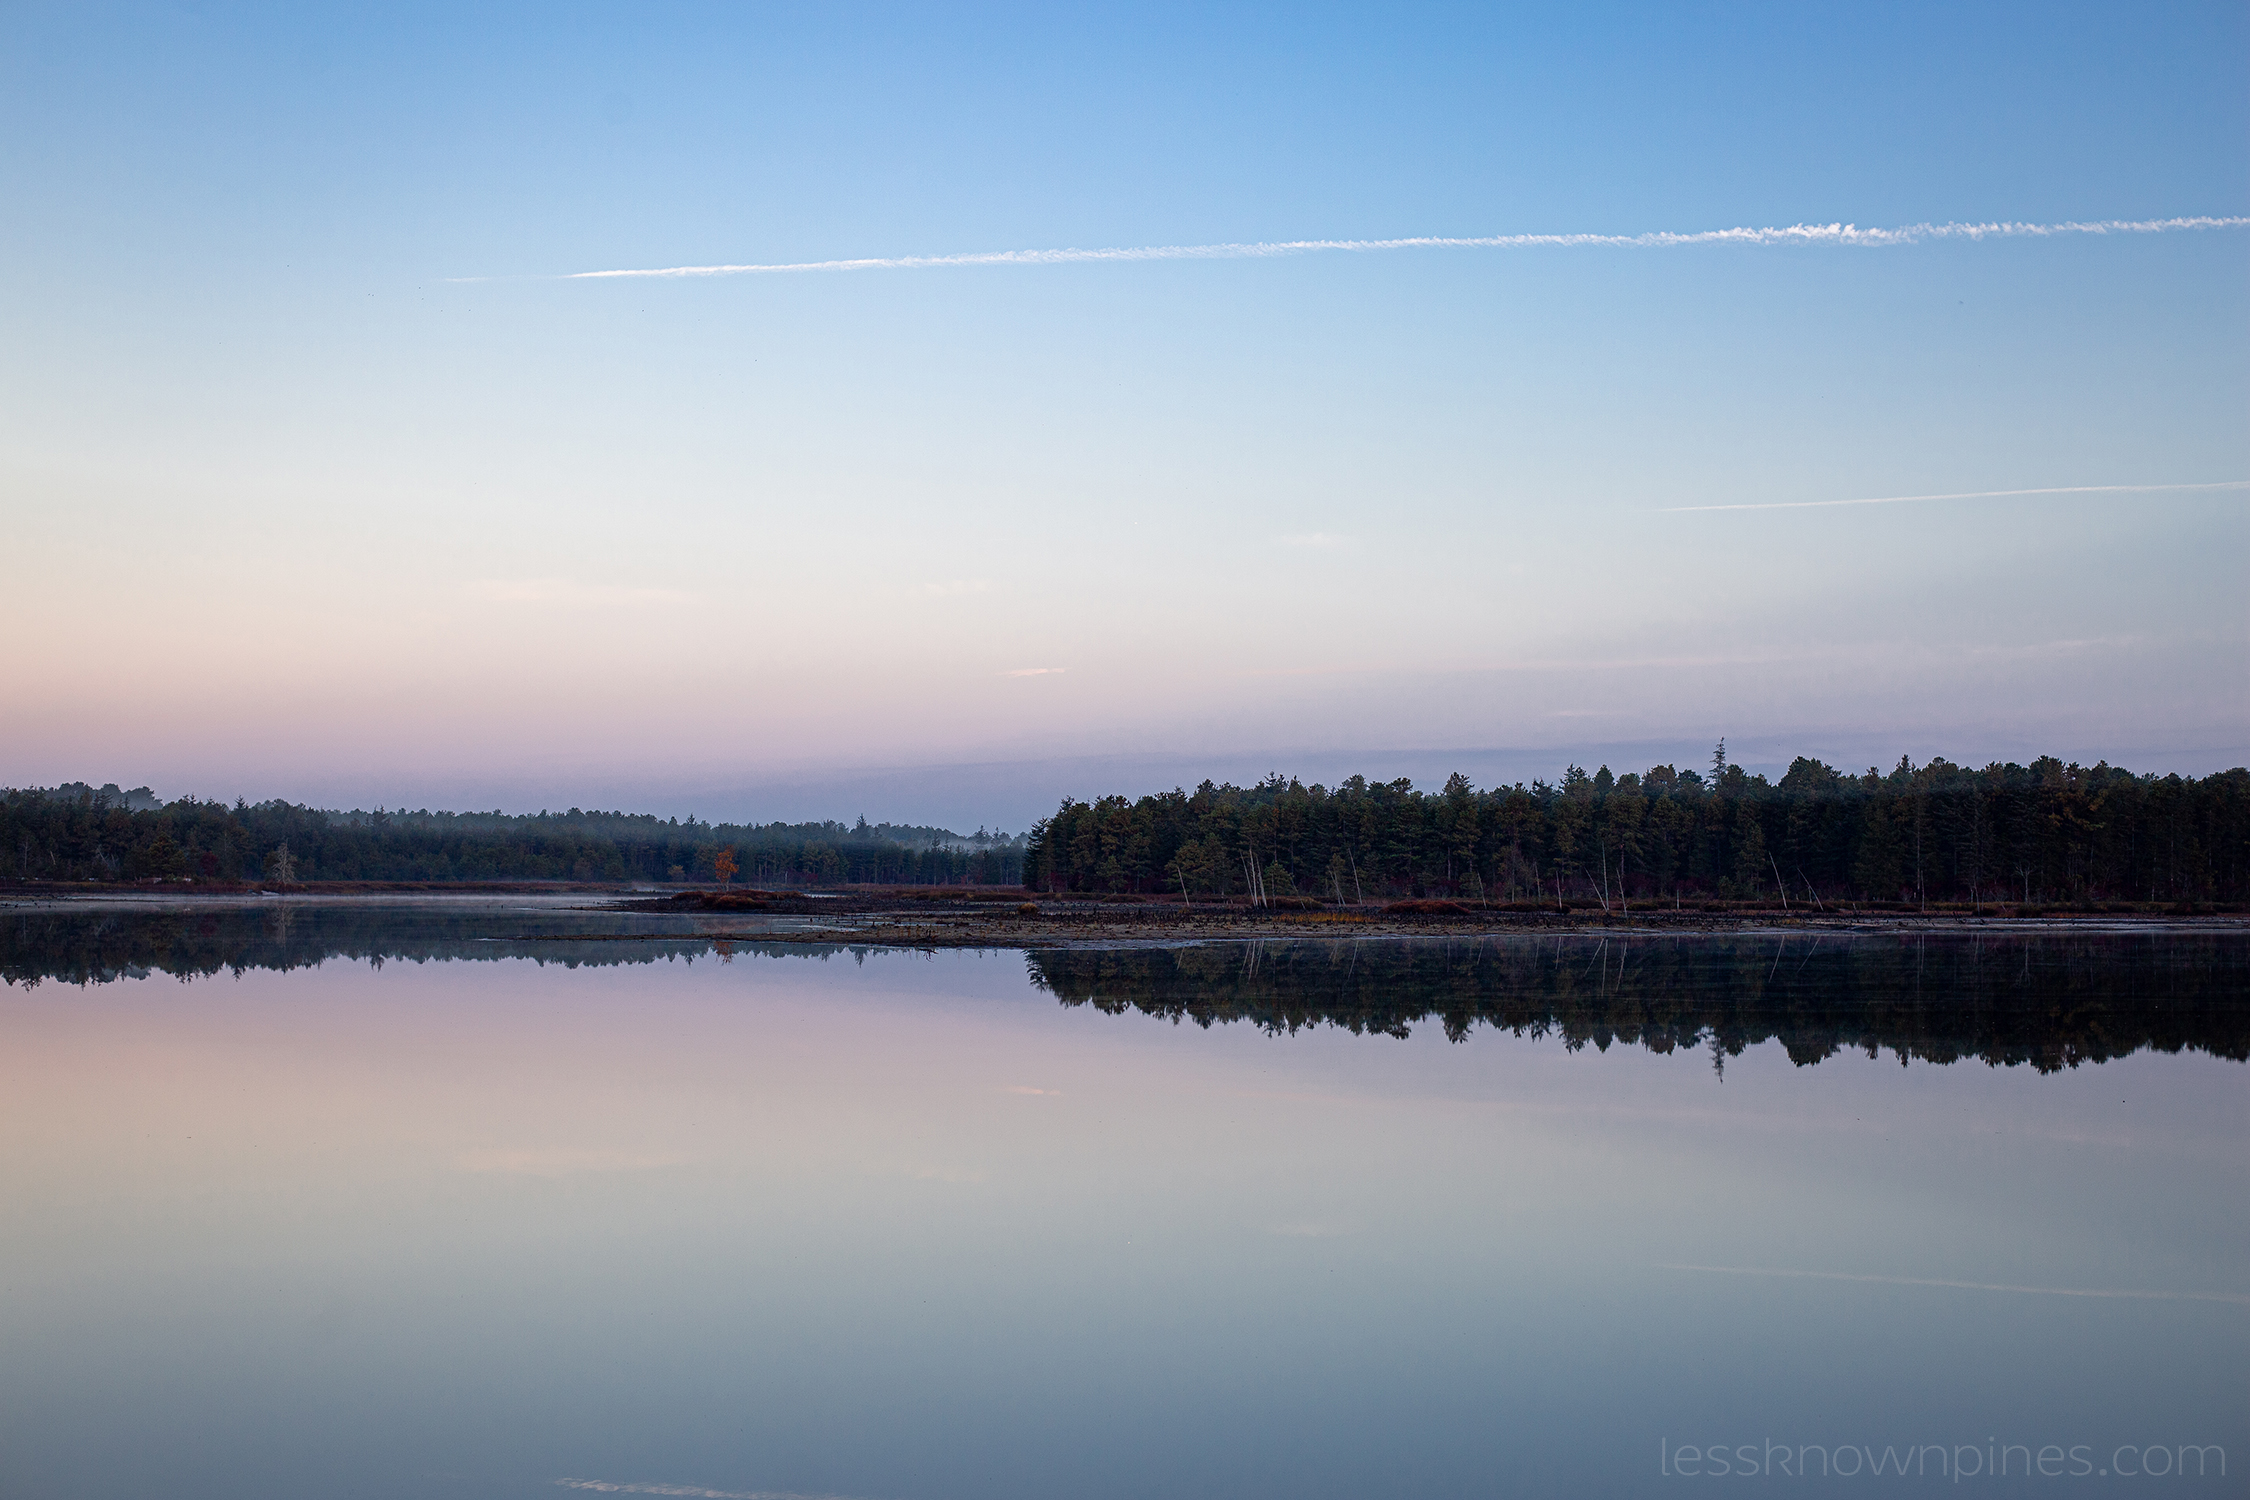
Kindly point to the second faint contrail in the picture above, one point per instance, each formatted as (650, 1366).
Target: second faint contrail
(2237, 1298)
(1791, 234)
(2067, 489)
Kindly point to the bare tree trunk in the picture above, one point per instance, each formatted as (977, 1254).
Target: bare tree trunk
(1921, 889)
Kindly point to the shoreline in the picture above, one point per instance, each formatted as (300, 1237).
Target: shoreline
(986, 918)
(904, 930)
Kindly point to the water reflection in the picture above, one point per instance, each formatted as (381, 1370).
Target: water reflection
(902, 1226)
(99, 945)
(2050, 1001)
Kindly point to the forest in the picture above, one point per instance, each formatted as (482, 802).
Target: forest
(77, 833)
(1918, 836)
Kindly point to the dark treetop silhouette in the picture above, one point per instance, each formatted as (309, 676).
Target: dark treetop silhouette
(77, 834)
(2043, 833)
(2046, 832)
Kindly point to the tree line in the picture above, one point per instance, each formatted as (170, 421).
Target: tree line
(78, 834)
(1936, 833)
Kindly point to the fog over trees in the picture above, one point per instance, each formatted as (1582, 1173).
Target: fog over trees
(77, 833)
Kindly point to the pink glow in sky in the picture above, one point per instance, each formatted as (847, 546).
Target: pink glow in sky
(321, 481)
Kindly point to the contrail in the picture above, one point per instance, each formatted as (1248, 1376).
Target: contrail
(696, 1492)
(1793, 234)
(2237, 1298)
(2068, 489)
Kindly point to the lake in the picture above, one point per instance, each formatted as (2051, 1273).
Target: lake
(502, 1199)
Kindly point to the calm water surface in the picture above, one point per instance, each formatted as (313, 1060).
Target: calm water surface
(423, 1201)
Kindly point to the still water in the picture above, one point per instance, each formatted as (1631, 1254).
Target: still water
(480, 1200)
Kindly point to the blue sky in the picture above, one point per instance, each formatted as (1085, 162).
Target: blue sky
(322, 482)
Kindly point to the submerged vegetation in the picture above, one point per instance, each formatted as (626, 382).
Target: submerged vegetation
(77, 834)
(1917, 835)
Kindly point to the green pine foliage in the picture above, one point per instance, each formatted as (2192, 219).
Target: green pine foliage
(2047, 833)
(1918, 835)
(76, 834)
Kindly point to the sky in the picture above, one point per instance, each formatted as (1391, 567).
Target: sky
(325, 474)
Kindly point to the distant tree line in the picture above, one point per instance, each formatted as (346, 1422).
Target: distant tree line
(2043, 833)
(79, 834)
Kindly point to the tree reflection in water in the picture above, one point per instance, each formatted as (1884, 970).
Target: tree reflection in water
(2050, 1000)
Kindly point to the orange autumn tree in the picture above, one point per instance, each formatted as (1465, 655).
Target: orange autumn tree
(725, 866)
